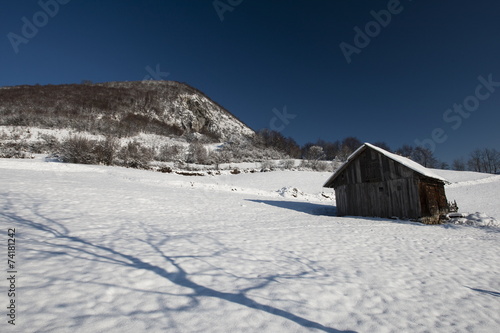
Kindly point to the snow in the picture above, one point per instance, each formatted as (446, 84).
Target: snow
(475, 219)
(476, 194)
(109, 249)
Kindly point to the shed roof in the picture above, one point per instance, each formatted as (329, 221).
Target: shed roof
(400, 159)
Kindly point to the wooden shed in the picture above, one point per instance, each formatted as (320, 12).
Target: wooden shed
(375, 182)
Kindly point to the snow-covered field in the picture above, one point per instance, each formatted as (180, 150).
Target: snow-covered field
(108, 249)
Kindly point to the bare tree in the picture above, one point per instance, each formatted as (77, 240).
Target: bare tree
(475, 161)
(383, 145)
(491, 160)
(443, 165)
(425, 157)
(459, 164)
(484, 160)
(331, 149)
(406, 151)
(314, 156)
(496, 164)
(315, 153)
(351, 143)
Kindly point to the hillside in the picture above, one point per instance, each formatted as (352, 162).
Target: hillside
(166, 108)
(122, 250)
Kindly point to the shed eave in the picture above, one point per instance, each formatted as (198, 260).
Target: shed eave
(330, 180)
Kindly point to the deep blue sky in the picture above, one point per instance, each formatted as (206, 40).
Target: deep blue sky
(268, 54)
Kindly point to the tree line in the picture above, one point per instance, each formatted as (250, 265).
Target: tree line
(480, 160)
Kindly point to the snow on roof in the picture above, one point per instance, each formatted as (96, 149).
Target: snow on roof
(400, 159)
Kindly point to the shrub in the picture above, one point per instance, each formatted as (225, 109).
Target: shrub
(82, 150)
(223, 155)
(48, 143)
(135, 156)
(287, 164)
(197, 153)
(320, 166)
(169, 153)
(105, 151)
(267, 165)
(11, 152)
(78, 149)
(165, 169)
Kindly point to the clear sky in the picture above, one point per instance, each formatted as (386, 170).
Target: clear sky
(396, 77)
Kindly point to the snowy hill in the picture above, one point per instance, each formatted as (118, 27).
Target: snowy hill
(109, 249)
(121, 109)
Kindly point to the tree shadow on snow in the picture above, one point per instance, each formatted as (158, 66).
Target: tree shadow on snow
(55, 231)
(302, 207)
(488, 292)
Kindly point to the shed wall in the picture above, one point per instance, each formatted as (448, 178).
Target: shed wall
(399, 197)
(432, 198)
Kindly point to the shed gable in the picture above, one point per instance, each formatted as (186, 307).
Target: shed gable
(370, 166)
